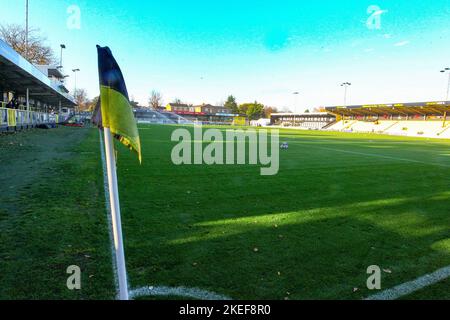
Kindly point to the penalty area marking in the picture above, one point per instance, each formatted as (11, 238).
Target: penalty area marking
(184, 292)
(412, 286)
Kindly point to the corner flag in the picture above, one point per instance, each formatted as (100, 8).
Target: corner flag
(114, 114)
(116, 111)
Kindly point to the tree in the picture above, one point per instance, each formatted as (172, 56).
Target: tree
(253, 111)
(81, 99)
(155, 100)
(92, 103)
(243, 108)
(177, 101)
(269, 110)
(38, 52)
(231, 104)
(134, 103)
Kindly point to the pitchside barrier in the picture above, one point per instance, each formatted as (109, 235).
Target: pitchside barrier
(17, 119)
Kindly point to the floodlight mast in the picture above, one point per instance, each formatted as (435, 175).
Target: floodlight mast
(63, 46)
(345, 85)
(448, 84)
(296, 93)
(75, 81)
(26, 28)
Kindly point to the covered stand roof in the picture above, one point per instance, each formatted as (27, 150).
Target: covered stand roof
(17, 74)
(422, 108)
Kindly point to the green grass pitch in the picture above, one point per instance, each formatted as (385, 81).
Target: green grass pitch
(340, 203)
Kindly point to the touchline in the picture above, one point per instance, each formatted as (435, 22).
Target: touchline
(212, 148)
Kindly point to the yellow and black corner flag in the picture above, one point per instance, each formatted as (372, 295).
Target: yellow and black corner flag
(114, 110)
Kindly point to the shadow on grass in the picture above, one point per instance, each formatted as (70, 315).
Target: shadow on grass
(336, 215)
(321, 257)
(195, 226)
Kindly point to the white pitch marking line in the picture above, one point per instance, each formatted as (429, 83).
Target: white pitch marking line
(383, 156)
(108, 214)
(412, 286)
(193, 293)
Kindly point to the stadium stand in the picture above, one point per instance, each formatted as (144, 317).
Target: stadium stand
(429, 129)
(28, 96)
(361, 126)
(419, 119)
(176, 118)
(340, 125)
(305, 121)
(202, 114)
(148, 116)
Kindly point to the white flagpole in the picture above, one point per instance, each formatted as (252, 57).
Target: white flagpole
(115, 213)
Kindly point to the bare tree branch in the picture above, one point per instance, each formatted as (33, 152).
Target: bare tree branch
(38, 52)
(81, 99)
(155, 100)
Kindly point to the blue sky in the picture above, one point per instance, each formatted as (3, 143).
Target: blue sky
(202, 51)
